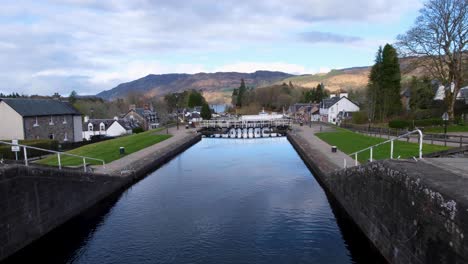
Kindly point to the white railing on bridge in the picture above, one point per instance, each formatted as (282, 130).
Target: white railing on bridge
(59, 154)
(236, 123)
(371, 148)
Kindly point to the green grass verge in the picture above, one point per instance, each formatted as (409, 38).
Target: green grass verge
(350, 142)
(451, 128)
(109, 150)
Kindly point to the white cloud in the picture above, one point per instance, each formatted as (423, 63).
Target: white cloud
(91, 45)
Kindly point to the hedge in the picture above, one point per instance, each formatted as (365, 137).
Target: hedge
(399, 123)
(6, 153)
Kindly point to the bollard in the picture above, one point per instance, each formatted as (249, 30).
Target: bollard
(333, 149)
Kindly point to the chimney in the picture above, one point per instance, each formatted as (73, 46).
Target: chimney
(343, 95)
(116, 118)
(132, 107)
(146, 107)
(332, 95)
(86, 119)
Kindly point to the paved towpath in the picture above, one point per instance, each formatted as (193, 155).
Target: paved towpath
(130, 162)
(320, 150)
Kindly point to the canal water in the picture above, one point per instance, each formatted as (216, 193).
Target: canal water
(221, 201)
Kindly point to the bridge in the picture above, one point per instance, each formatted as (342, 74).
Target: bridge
(245, 128)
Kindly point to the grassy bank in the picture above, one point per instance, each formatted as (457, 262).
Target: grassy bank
(350, 142)
(109, 150)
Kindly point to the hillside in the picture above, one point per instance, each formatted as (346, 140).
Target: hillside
(350, 78)
(216, 86)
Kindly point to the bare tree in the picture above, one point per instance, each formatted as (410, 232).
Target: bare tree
(438, 40)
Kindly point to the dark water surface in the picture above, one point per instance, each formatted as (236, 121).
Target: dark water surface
(221, 201)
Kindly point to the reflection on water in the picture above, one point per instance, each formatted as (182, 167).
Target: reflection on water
(221, 201)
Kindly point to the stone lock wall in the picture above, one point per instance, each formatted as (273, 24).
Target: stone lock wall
(33, 201)
(407, 209)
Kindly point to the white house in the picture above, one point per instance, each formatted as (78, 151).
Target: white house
(462, 93)
(106, 127)
(330, 108)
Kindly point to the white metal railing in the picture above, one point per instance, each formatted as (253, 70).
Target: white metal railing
(371, 148)
(59, 154)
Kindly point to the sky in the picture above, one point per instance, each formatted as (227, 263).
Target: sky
(50, 46)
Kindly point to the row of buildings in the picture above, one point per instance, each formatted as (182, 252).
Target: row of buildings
(26, 118)
(332, 110)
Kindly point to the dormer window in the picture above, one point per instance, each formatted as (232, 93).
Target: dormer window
(36, 124)
(51, 121)
(90, 127)
(102, 127)
(64, 120)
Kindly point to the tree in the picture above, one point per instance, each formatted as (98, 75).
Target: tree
(421, 92)
(205, 112)
(195, 99)
(374, 86)
(241, 93)
(383, 89)
(391, 82)
(438, 40)
(72, 97)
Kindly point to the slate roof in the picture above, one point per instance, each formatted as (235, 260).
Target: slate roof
(40, 107)
(326, 103)
(126, 124)
(97, 122)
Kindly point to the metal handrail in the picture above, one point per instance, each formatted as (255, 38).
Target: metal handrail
(419, 132)
(25, 147)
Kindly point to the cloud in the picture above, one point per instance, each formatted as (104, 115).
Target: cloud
(319, 37)
(91, 45)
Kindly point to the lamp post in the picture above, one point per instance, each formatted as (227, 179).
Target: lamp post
(445, 117)
(177, 116)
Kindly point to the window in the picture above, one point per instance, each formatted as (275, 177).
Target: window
(36, 124)
(51, 122)
(64, 120)
(51, 136)
(66, 137)
(90, 127)
(102, 127)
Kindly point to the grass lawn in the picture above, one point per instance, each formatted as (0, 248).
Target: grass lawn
(451, 128)
(350, 142)
(109, 150)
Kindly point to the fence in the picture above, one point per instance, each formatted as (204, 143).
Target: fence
(59, 154)
(459, 140)
(371, 148)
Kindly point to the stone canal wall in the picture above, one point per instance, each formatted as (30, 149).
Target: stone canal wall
(413, 212)
(35, 200)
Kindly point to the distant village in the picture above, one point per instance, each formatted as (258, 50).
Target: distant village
(56, 119)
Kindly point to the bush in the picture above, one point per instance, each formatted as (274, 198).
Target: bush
(6, 153)
(398, 123)
(360, 117)
(137, 130)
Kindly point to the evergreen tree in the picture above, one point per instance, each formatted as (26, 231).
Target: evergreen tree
(72, 97)
(241, 93)
(391, 82)
(205, 112)
(374, 87)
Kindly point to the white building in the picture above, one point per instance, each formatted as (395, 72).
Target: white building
(105, 127)
(462, 93)
(330, 108)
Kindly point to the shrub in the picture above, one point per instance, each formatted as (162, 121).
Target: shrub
(360, 117)
(398, 123)
(137, 130)
(6, 153)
